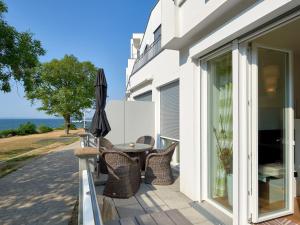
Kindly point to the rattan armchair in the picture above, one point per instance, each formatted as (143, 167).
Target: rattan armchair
(104, 142)
(158, 169)
(145, 140)
(101, 164)
(124, 175)
(104, 145)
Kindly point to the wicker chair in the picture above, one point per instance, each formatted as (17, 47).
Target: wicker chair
(103, 142)
(124, 175)
(145, 140)
(158, 169)
(104, 145)
(101, 164)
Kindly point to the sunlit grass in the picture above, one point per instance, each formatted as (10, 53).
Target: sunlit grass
(16, 151)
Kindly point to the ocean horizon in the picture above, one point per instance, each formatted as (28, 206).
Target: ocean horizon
(13, 123)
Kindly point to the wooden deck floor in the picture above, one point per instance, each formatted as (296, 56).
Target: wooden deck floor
(287, 220)
(152, 202)
(296, 216)
(154, 205)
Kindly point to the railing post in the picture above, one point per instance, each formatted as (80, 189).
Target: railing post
(88, 210)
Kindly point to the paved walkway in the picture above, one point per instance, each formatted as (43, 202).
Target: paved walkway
(42, 192)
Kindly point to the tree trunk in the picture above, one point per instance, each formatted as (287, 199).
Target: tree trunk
(67, 119)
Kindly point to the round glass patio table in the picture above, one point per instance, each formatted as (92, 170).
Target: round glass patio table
(137, 150)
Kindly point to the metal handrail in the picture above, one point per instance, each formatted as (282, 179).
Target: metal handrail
(95, 206)
(153, 50)
(89, 213)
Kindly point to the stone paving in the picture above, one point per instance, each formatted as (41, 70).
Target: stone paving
(42, 192)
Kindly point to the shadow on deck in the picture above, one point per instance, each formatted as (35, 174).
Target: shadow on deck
(154, 204)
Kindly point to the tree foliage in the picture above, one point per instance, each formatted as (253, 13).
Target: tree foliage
(19, 54)
(65, 87)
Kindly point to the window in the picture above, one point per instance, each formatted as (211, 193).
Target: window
(169, 111)
(220, 130)
(146, 97)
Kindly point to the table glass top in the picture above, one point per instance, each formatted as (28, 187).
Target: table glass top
(132, 147)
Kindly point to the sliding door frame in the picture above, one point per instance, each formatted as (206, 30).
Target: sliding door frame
(242, 124)
(204, 76)
(253, 92)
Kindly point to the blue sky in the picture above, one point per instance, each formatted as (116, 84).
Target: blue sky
(95, 30)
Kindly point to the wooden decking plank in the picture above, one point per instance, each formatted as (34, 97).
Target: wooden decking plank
(280, 221)
(161, 218)
(128, 221)
(145, 219)
(177, 217)
(113, 222)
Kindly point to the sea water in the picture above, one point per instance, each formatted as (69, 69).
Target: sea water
(15, 123)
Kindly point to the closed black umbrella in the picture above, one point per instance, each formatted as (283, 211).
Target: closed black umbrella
(100, 126)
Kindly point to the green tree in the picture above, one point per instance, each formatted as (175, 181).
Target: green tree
(19, 54)
(65, 87)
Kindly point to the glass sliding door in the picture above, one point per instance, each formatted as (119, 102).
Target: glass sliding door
(272, 130)
(219, 74)
(274, 134)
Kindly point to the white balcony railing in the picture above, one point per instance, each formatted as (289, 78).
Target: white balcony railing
(88, 213)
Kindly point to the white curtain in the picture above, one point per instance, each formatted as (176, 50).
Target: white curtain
(223, 129)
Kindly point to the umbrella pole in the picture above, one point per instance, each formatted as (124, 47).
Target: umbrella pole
(98, 158)
(98, 181)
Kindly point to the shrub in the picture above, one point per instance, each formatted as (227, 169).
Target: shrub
(73, 127)
(62, 127)
(27, 128)
(44, 129)
(7, 133)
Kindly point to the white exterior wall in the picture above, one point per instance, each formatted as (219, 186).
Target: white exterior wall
(135, 42)
(130, 64)
(190, 18)
(250, 19)
(255, 16)
(153, 23)
(169, 19)
(262, 12)
(162, 69)
(187, 20)
(189, 130)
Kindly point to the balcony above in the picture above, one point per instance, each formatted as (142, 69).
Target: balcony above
(184, 22)
(153, 50)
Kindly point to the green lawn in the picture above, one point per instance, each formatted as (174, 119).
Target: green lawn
(16, 151)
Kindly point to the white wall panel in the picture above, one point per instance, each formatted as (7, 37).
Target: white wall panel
(130, 120)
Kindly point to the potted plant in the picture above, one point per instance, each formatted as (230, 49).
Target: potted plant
(224, 153)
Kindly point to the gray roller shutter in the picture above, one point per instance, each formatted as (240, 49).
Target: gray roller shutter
(169, 110)
(146, 97)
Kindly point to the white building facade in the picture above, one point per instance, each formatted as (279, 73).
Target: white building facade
(224, 81)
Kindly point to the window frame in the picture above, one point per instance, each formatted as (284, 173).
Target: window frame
(204, 192)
